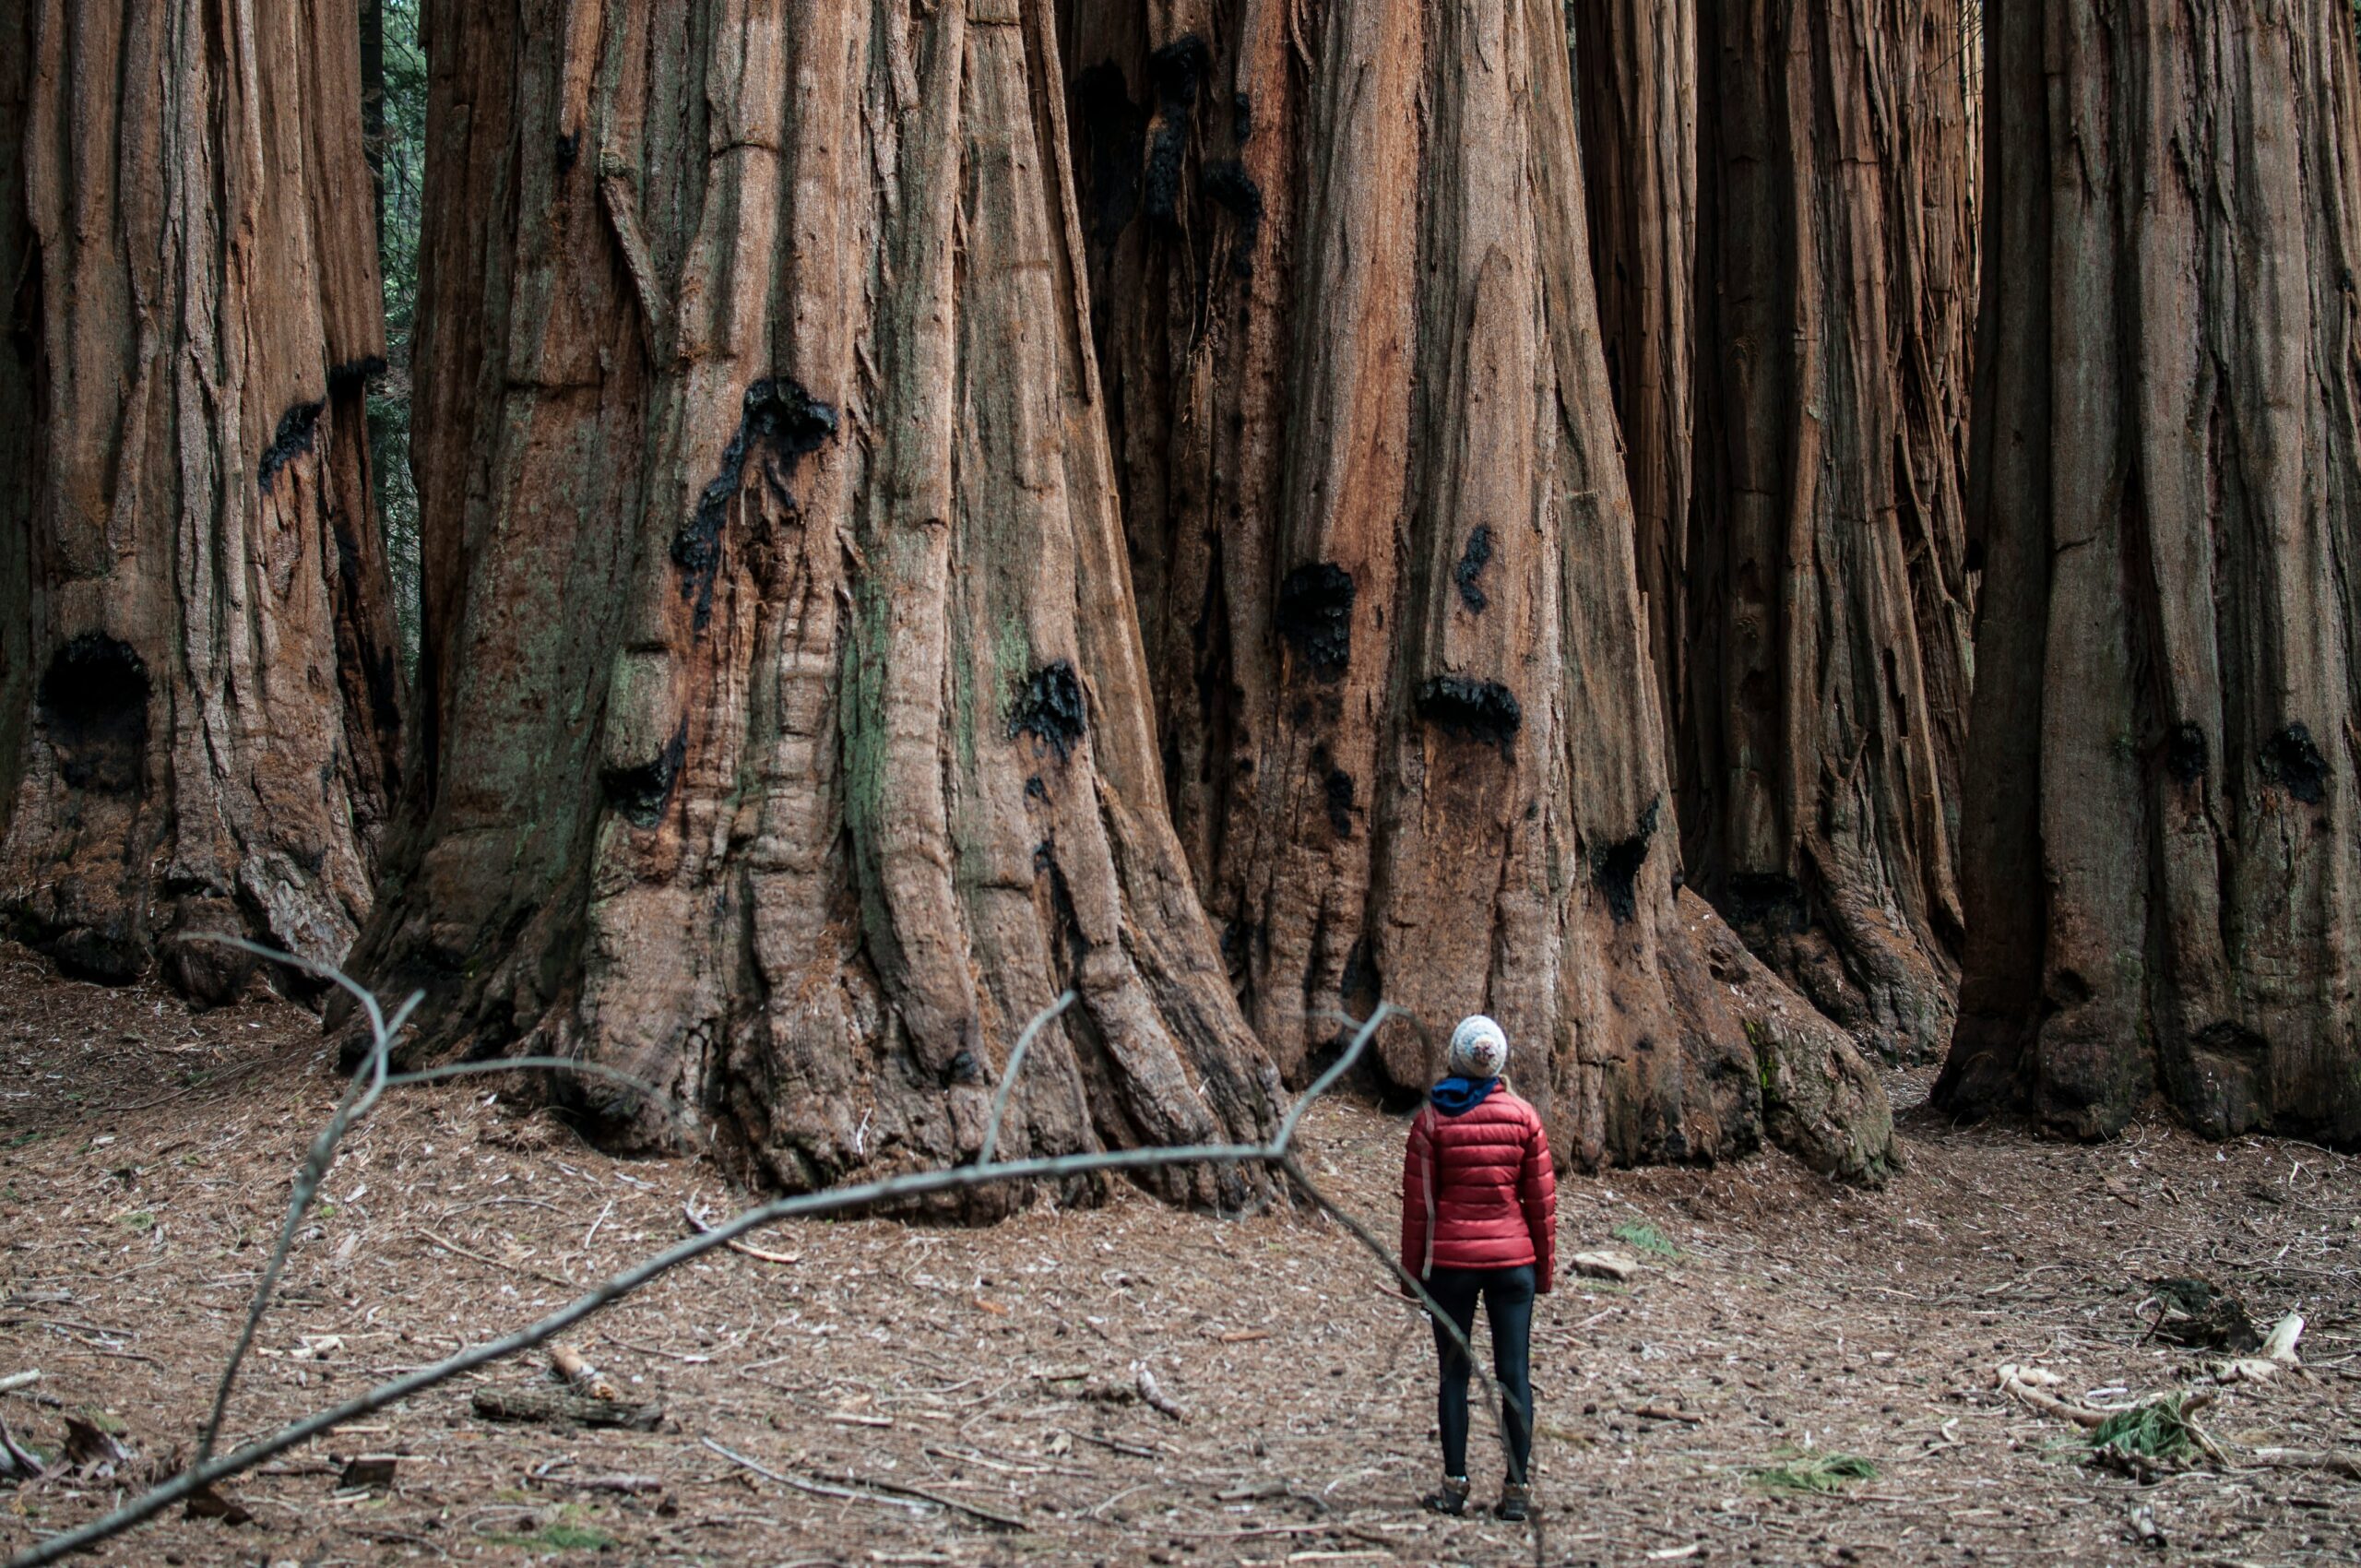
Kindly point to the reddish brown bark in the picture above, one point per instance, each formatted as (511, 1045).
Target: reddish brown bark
(1817, 681)
(2160, 847)
(197, 697)
(787, 743)
(1385, 552)
(1635, 65)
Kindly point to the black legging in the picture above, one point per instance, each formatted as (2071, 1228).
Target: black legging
(1508, 1303)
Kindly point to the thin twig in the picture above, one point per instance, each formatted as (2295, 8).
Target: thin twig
(367, 1085)
(699, 1223)
(823, 1488)
(1008, 1073)
(207, 1471)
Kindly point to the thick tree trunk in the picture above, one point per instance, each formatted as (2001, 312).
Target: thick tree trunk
(200, 715)
(1825, 671)
(786, 742)
(1635, 64)
(2164, 886)
(1377, 512)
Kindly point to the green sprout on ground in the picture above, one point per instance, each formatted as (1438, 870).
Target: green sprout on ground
(563, 1532)
(1821, 1473)
(1647, 1238)
(2159, 1429)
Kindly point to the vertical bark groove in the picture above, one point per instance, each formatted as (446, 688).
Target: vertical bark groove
(1816, 674)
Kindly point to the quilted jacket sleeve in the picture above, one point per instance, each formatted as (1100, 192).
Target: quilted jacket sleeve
(1536, 1190)
(1418, 1164)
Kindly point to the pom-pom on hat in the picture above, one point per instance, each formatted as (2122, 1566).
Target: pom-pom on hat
(1478, 1048)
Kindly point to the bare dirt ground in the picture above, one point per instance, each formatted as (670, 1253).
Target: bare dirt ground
(972, 1390)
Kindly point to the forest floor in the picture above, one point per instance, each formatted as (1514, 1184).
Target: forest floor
(145, 1157)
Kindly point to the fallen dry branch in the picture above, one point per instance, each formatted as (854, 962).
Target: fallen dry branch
(700, 1225)
(2335, 1462)
(562, 1404)
(198, 1481)
(2021, 1383)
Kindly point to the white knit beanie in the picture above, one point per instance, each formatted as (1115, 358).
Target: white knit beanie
(1478, 1048)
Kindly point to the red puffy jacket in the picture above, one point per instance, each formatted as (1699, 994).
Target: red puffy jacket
(1478, 1190)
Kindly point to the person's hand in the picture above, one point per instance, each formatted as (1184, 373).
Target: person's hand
(1541, 1286)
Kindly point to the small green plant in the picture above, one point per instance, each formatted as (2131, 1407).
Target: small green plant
(563, 1530)
(1821, 1473)
(1647, 1238)
(139, 1220)
(2158, 1429)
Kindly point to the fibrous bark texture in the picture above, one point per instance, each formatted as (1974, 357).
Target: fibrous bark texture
(2160, 836)
(1635, 70)
(1825, 662)
(1377, 512)
(197, 683)
(786, 742)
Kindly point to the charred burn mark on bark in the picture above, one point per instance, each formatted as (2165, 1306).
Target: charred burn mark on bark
(1337, 789)
(1050, 708)
(1360, 984)
(296, 428)
(1174, 71)
(2185, 753)
(2224, 1037)
(1763, 898)
(1615, 868)
(1034, 790)
(2290, 760)
(1237, 945)
(1235, 191)
(1315, 615)
(354, 375)
(640, 792)
(569, 150)
(93, 704)
(1242, 117)
(1472, 711)
(1113, 131)
(1471, 562)
(779, 414)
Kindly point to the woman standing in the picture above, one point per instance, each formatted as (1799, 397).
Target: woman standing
(1479, 1218)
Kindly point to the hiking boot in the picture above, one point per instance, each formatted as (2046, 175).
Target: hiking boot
(1515, 1502)
(1450, 1498)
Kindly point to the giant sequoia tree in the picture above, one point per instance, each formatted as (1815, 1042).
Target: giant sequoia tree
(785, 734)
(197, 683)
(1812, 599)
(1384, 549)
(2163, 877)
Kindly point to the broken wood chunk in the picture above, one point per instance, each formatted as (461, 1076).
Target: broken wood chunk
(563, 1405)
(205, 1502)
(569, 1366)
(1606, 1265)
(373, 1472)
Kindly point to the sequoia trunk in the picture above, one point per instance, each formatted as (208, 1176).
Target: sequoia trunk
(787, 743)
(2164, 878)
(1635, 65)
(197, 677)
(1819, 678)
(1378, 516)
